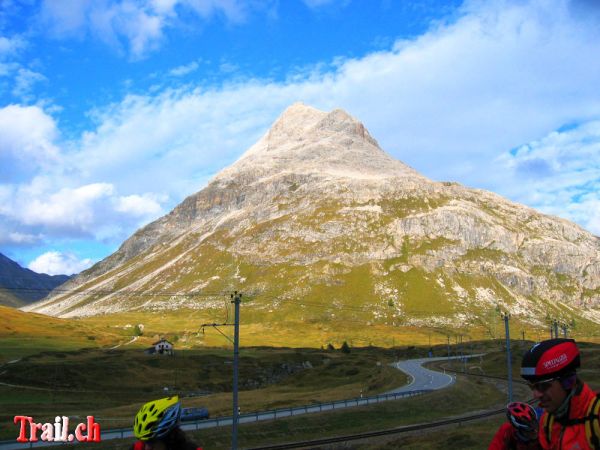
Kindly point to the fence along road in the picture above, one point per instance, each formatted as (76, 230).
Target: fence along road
(422, 380)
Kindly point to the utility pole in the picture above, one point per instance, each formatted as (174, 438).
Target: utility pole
(448, 346)
(236, 300)
(506, 317)
(464, 356)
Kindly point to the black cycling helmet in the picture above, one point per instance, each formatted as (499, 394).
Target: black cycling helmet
(554, 358)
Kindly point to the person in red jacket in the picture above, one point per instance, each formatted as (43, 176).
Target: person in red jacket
(521, 430)
(571, 418)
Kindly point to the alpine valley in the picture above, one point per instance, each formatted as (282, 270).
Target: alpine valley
(320, 229)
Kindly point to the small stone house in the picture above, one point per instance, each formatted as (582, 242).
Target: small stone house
(163, 347)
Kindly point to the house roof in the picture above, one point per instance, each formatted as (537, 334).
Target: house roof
(162, 340)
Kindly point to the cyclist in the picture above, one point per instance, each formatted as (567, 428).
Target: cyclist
(571, 418)
(520, 432)
(157, 427)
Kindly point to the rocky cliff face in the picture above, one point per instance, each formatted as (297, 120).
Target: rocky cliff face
(315, 213)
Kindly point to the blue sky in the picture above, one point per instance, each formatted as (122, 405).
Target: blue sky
(113, 111)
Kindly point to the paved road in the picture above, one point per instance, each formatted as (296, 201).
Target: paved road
(422, 379)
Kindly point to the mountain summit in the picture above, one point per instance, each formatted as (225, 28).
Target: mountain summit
(315, 213)
(305, 140)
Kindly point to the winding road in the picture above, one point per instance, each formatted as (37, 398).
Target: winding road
(424, 379)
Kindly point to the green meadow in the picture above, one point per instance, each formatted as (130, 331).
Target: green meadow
(97, 366)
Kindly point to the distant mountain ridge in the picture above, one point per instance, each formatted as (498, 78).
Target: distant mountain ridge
(317, 213)
(20, 286)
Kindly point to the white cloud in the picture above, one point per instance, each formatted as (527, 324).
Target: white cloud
(10, 46)
(559, 174)
(67, 18)
(15, 78)
(16, 238)
(21, 238)
(139, 206)
(27, 130)
(25, 80)
(38, 211)
(164, 7)
(138, 25)
(147, 138)
(56, 263)
(184, 70)
(593, 222)
(44, 193)
(234, 10)
(227, 67)
(27, 141)
(68, 208)
(318, 3)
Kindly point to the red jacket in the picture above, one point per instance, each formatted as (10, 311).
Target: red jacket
(506, 439)
(570, 434)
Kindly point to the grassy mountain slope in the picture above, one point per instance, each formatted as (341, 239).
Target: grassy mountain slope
(23, 334)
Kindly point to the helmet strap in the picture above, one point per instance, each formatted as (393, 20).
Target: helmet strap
(522, 438)
(563, 410)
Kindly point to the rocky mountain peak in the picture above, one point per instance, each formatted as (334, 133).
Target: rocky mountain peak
(294, 122)
(301, 122)
(307, 141)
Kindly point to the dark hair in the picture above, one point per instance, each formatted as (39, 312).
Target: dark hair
(178, 440)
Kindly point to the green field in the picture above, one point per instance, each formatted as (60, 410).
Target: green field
(112, 384)
(52, 367)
